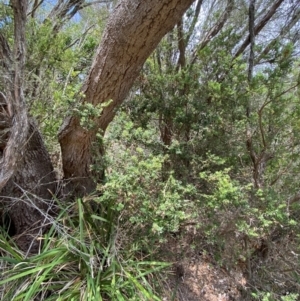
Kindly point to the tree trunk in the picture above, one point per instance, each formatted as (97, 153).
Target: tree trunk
(26, 173)
(132, 33)
(26, 198)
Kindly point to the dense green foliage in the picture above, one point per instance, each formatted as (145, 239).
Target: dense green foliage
(197, 142)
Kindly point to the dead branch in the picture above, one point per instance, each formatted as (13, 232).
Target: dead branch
(214, 30)
(269, 14)
(292, 22)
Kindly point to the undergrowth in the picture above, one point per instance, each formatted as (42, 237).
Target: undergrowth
(83, 257)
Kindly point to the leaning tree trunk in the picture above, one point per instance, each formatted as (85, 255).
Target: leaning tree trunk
(27, 179)
(132, 33)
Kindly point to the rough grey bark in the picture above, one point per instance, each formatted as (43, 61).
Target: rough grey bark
(132, 33)
(13, 98)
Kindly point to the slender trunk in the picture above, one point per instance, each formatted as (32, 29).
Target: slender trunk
(261, 24)
(166, 130)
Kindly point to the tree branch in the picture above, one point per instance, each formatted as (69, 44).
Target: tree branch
(194, 22)
(270, 13)
(35, 6)
(251, 39)
(96, 2)
(181, 46)
(214, 30)
(5, 52)
(287, 28)
(64, 11)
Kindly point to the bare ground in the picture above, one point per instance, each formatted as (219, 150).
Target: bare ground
(197, 276)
